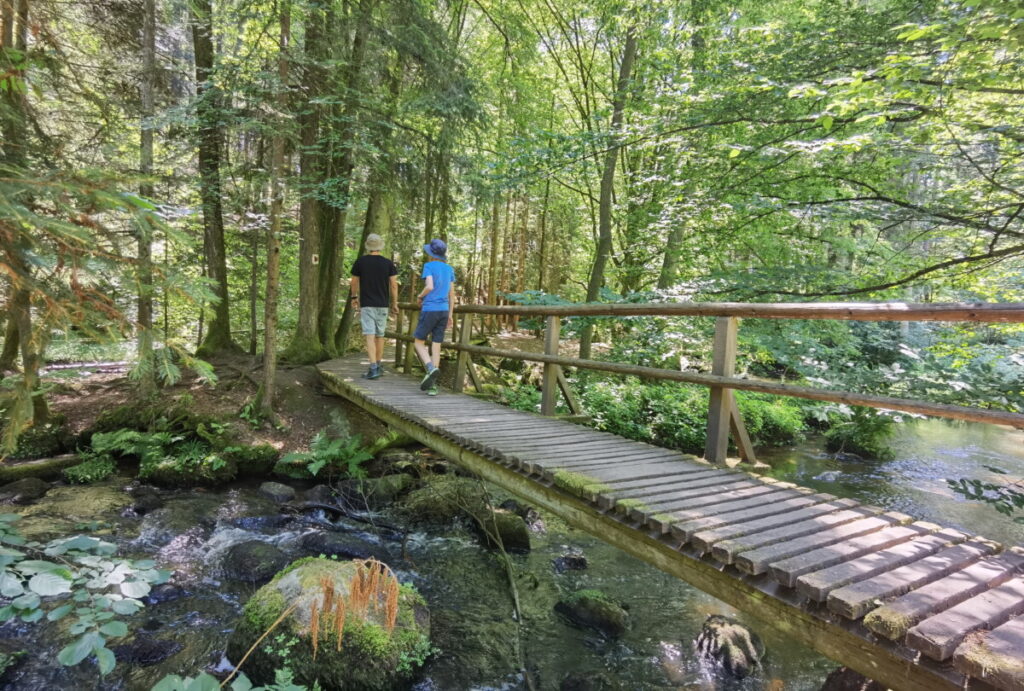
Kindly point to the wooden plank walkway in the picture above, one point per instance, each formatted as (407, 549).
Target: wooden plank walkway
(909, 603)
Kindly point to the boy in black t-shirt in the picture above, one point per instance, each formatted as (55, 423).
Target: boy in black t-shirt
(374, 289)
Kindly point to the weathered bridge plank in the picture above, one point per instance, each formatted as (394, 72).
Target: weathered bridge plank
(739, 526)
(995, 656)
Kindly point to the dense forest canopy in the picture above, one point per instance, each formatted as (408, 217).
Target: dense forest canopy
(168, 164)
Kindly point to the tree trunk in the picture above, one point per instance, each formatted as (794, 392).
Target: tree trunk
(604, 230)
(492, 269)
(265, 398)
(305, 345)
(208, 102)
(9, 356)
(147, 374)
(334, 244)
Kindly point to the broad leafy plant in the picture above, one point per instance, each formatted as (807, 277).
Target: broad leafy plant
(343, 454)
(79, 578)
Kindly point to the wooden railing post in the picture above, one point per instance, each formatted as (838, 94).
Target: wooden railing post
(410, 351)
(549, 392)
(465, 338)
(399, 345)
(723, 364)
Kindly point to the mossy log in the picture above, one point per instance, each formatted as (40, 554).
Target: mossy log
(45, 468)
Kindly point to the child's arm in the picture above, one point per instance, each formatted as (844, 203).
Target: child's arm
(426, 289)
(451, 304)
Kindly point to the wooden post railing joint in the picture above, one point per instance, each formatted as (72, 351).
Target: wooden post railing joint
(549, 391)
(461, 364)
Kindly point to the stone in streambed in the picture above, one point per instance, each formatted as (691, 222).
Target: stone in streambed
(569, 562)
(592, 609)
(24, 491)
(331, 544)
(728, 647)
(321, 494)
(845, 679)
(500, 528)
(370, 658)
(145, 650)
(253, 561)
(374, 493)
(277, 492)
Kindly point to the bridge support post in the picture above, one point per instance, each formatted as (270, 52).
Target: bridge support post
(398, 343)
(465, 338)
(723, 413)
(549, 392)
(410, 352)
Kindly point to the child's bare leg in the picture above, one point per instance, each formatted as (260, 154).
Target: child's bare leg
(435, 354)
(371, 347)
(380, 349)
(421, 351)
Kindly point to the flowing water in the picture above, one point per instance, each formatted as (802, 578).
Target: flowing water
(466, 586)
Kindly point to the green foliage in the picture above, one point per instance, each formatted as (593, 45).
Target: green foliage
(283, 681)
(343, 455)
(865, 432)
(1006, 497)
(96, 467)
(80, 579)
(167, 458)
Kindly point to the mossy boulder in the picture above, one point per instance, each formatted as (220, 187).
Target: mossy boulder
(592, 609)
(375, 493)
(443, 498)
(43, 441)
(501, 528)
(277, 492)
(253, 461)
(23, 491)
(370, 659)
(170, 471)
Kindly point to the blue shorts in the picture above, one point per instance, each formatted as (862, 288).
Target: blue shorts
(433, 323)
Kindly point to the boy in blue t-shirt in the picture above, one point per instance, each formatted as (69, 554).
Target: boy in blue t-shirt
(437, 302)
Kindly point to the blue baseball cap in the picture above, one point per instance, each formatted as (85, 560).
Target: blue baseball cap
(436, 248)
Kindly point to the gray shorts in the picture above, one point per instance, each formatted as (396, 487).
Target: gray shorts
(374, 320)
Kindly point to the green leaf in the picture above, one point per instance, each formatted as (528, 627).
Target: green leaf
(135, 589)
(32, 617)
(733, 153)
(59, 613)
(74, 653)
(126, 606)
(114, 629)
(26, 601)
(204, 682)
(10, 585)
(106, 660)
(826, 122)
(47, 584)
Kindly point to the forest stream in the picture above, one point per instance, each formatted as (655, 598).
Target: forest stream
(184, 627)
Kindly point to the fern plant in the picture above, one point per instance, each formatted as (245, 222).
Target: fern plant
(344, 454)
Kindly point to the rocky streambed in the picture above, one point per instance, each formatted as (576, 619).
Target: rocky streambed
(561, 611)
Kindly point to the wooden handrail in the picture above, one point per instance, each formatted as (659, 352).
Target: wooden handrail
(723, 414)
(1012, 312)
(954, 412)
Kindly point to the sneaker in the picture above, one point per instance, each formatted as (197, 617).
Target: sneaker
(380, 368)
(432, 391)
(373, 373)
(430, 379)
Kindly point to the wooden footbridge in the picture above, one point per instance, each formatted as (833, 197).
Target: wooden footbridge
(911, 604)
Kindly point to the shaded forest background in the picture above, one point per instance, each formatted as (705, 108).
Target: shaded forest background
(195, 177)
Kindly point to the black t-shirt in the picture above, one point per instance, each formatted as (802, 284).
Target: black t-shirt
(374, 272)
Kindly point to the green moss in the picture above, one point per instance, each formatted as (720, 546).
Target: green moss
(408, 590)
(578, 484)
(628, 504)
(263, 609)
(369, 639)
(252, 461)
(304, 351)
(589, 594)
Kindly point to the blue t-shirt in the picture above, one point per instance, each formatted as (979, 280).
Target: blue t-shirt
(443, 274)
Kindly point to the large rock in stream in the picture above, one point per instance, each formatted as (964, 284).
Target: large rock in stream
(23, 491)
(728, 647)
(369, 658)
(592, 609)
